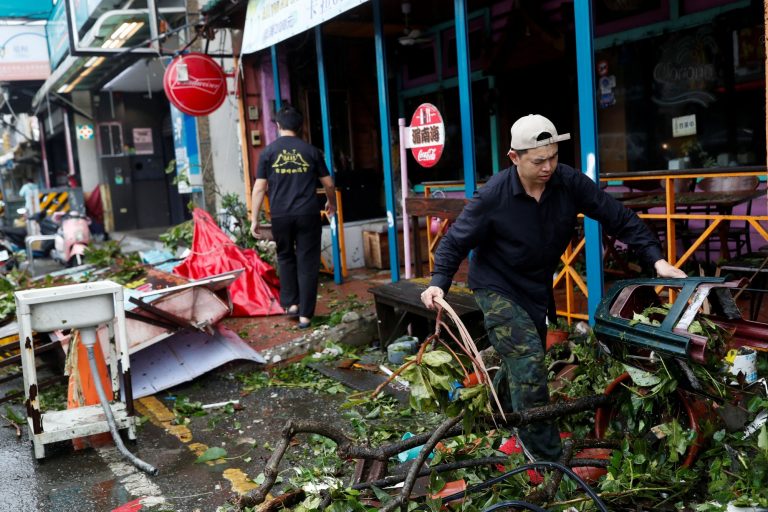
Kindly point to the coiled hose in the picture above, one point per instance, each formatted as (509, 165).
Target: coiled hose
(88, 337)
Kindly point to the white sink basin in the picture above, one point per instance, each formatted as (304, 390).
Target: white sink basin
(69, 307)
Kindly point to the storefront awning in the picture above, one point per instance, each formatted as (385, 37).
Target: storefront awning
(28, 9)
(268, 22)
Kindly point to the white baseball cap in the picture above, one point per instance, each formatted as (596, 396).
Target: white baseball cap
(527, 130)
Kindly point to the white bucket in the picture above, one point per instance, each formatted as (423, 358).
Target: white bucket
(743, 360)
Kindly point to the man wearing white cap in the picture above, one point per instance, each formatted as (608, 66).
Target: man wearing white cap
(517, 226)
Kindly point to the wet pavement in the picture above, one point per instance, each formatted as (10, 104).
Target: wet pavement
(97, 479)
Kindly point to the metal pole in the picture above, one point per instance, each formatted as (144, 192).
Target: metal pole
(44, 153)
(386, 141)
(465, 96)
(153, 34)
(327, 145)
(68, 143)
(589, 163)
(404, 194)
(276, 77)
(494, 120)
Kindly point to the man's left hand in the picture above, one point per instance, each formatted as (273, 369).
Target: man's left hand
(330, 209)
(665, 269)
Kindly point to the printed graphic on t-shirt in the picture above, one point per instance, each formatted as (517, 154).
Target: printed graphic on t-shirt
(290, 162)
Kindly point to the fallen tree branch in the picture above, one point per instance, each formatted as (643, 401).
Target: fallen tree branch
(546, 412)
(440, 468)
(346, 448)
(13, 424)
(413, 471)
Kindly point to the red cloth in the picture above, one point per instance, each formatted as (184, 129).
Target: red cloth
(93, 206)
(255, 292)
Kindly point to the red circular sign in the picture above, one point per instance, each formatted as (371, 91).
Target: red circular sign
(427, 133)
(195, 84)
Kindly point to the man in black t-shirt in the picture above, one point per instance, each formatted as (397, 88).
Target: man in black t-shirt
(289, 170)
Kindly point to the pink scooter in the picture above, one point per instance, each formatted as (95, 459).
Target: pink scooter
(72, 238)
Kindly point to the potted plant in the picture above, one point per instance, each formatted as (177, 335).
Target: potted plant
(557, 333)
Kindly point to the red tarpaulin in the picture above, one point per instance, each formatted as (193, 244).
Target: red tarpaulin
(255, 292)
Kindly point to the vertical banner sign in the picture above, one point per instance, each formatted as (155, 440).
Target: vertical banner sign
(426, 135)
(426, 139)
(188, 171)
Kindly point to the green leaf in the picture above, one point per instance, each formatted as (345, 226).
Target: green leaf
(642, 378)
(419, 386)
(312, 502)
(212, 453)
(436, 358)
(439, 381)
(762, 439)
(382, 496)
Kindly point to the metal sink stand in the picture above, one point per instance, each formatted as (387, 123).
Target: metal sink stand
(78, 306)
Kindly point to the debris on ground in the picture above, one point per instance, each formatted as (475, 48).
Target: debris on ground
(634, 441)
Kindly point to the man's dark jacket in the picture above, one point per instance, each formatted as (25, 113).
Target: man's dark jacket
(516, 242)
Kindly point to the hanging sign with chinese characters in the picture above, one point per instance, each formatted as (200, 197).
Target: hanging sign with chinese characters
(426, 135)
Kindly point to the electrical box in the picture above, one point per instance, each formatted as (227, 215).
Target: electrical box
(253, 112)
(255, 138)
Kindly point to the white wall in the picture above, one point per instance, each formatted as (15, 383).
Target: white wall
(87, 156)
(224, 131)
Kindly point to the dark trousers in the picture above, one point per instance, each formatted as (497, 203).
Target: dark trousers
(298, 260)
(522, 380)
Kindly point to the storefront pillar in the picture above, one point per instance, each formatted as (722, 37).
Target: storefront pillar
(588, 141)
(327, 144)
(386, 142)
(465, 96)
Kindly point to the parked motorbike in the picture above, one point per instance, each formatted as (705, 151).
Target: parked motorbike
(8, 259)
(72, 237)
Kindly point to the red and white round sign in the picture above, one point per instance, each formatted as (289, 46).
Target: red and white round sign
(195, 84)
(427, 134)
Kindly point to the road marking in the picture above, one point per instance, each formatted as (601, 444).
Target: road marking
(159, 415)
(162, 417)
(241, 484)
(135, 481)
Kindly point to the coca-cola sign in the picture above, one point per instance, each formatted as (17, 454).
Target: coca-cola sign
(195, 84)
(426, 135)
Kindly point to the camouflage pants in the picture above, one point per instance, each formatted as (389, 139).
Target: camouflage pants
(522, 381)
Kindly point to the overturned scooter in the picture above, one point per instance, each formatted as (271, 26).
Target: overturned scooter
(72, 237)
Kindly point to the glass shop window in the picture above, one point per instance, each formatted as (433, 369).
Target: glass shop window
(110, 139)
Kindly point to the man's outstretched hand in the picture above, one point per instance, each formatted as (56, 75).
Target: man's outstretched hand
(429, 295)
(665, 269)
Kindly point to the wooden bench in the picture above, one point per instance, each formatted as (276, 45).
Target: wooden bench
(399, 304)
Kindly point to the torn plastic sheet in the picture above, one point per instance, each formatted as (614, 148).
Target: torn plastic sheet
(255, 292)
(184, 356)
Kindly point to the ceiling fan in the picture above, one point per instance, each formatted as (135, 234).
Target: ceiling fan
(411, 36)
